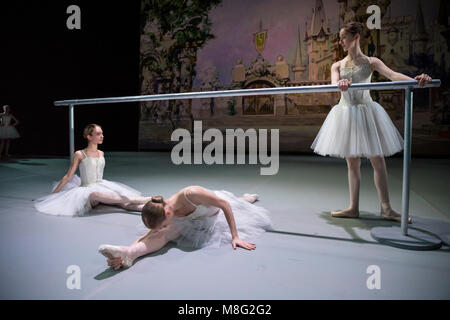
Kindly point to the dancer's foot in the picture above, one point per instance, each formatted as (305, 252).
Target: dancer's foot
(391, 215)
(347, 213)
(251, 197)
(112, 252)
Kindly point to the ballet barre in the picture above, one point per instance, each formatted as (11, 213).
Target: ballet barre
(390, 85)
(408, 86)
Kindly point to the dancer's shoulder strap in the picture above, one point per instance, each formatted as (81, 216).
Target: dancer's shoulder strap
(187, 199)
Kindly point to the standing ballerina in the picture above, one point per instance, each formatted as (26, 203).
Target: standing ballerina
(194, 217)
(8, 131)
(358, 126)
(74, 196)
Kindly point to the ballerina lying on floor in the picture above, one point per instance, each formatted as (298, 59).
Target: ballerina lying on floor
(194, 217)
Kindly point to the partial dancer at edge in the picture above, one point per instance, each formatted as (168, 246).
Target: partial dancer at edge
(8, 130)
(74, 196)
(358, 126)
(194, 217)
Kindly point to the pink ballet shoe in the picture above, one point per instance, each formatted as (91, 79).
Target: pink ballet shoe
(114, 252)
(254, 196)
(391, 215)
(347, 213)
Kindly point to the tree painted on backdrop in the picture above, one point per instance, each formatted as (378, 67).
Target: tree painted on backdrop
(172, 33)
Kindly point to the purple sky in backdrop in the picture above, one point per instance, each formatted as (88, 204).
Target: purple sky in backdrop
(235, 21)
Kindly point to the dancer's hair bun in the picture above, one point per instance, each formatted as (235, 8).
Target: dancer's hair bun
(153, 215)
(89, 129)
(158, 199)
(354, 28)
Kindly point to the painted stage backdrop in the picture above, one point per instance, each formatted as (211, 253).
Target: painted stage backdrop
(193, 45)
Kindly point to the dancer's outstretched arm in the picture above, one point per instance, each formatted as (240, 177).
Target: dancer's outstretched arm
(76, 159)
(379, 66)
(199, 195)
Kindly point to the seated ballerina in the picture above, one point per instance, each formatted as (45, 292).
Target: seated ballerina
(194, 217)
(74, 196)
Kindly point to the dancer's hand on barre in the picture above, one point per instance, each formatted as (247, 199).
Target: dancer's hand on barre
(423, 79)
(243, 244)
(343, 84)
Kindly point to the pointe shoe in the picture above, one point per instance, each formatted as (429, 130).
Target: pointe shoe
(113, 252)
(391, 215)
(347, 213)
(254, 196)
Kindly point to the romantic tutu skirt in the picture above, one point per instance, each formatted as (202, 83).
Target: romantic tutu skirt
(9, 132)
(362, 130)
(200, 231)
(73, 199)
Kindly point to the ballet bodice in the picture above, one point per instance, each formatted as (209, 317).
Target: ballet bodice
(91, 170)
(6, 120)
(361, 73)
(201, 210)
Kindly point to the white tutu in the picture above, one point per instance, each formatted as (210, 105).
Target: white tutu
(363, 130)
(9, 132)
(357, 126)
(73, 199)
(208, 227)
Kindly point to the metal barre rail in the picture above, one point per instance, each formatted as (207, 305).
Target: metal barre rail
(405, 85)
(250, 92)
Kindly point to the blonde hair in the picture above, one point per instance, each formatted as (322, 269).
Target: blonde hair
(89, 129)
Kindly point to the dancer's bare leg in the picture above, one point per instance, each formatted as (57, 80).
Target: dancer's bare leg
(2, 144)
(132, 206)
(107, 198)
(123, 256)
(354, 180)
(140, 199)
(8, 141)
(114, 199)
(381, 183)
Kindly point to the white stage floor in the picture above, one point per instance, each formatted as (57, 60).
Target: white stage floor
(310, 255)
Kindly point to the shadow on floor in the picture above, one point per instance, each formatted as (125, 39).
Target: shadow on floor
(367, 221)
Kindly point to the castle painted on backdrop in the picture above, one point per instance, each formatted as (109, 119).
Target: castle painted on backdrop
(405, 43)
